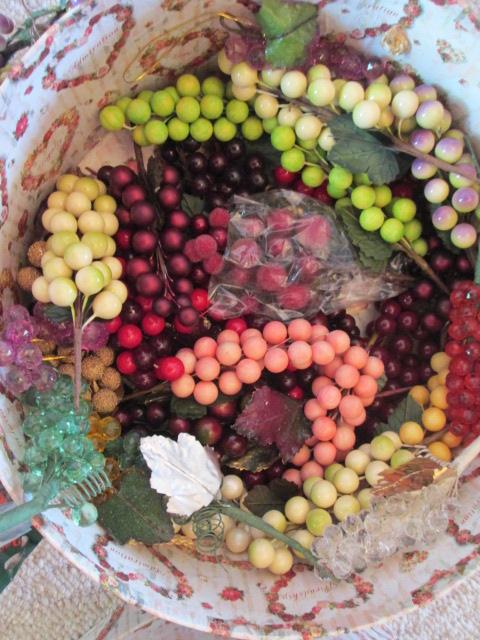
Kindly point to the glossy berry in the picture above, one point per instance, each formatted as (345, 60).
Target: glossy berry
(169, 368)
(129, 336)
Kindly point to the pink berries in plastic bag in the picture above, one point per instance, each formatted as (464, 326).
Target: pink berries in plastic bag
(287, 256)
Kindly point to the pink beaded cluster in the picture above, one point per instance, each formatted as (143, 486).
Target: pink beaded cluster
(20, 358)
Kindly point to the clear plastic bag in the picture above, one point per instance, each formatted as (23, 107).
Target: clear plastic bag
(287, 256)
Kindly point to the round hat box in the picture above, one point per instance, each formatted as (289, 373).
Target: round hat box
(48, 124)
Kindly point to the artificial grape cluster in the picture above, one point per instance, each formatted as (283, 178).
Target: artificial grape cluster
(21, 358)
(383, 104)
(453, 201)
(341, 494)
(408, 334)
(216, 171)
(57, 448)
(191, 108)
(463, 379)
(70, 213)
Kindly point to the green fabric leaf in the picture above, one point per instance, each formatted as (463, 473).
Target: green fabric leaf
(263, 498)
(187, 408)
(361, 151)
(372, 251)
(288, 28)
(136, 512)
(408, 409)
(256, 459)
(192, 205)
(57, 314)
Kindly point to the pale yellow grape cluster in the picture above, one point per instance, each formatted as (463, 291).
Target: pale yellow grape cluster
(80, 251)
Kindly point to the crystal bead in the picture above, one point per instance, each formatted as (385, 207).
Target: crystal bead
(32, 425)
(63, 386)
(19, 333)
(341, 566)
(97, 461)
(49, 439)
(437, 520)
(76, 471)
(333, 534)
(16, 313)
(33, 479)
(33, 456)
(7, 353)
(45, 378)
(375, 549)
(17, 380)
(110, 428)
(322, 548)
(86, 515)
(95, 336)
(352, 525)
(73, 447)
(28, 356)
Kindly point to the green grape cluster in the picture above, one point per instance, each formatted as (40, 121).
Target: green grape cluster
(57, 449)
(394, 218)
(199, 109)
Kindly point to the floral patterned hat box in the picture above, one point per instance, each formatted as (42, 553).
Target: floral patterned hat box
(49, 123)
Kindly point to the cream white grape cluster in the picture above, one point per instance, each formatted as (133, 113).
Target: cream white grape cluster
(395, 105)
(408, 519)
(79, 256)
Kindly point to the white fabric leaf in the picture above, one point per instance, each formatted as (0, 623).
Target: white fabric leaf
(185, 471)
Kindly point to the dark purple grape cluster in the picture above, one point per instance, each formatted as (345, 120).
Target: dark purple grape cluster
(216, 171)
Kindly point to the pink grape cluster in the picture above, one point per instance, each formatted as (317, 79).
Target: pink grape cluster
(20, 358)
(346, 381)
(346, 384)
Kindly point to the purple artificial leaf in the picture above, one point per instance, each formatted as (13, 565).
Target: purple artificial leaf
(273, 418)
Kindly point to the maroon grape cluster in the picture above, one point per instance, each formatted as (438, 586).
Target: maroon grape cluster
(463, 379)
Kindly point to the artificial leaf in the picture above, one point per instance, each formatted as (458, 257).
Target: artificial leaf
(57, 314)
(407, 409)
(362, 151)
(273, 418)
(373, 252)
(136, 512)
(187, 408)
(288, 28)
(155, 166)
(290, 50)
(186, 472)
(256, 459)
(283, 488)
(263, 498)
(192, 204)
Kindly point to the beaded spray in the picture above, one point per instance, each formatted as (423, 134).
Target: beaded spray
(64, 469)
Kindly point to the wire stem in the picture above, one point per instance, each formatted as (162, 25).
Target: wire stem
(254, 521)
(405, 246)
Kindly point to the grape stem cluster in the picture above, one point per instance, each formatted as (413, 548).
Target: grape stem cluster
(327, 114)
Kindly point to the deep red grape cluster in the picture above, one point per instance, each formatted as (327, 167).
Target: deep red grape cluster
(463, 379)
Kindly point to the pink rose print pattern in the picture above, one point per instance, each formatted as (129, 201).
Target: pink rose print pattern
(122, 15)
(3, 189)
(22, 126)
(232, 594)
(183, 590)
(68, 120)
